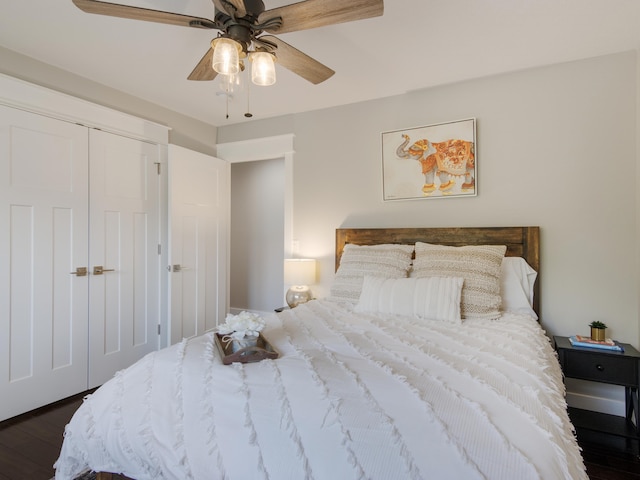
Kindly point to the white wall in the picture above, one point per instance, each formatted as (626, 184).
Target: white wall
(257, 235)
(556, 148)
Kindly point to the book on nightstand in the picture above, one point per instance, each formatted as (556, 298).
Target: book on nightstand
(587, 342)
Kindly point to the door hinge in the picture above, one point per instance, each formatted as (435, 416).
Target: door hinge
(159, 329)
(159, 249)
(158, 166)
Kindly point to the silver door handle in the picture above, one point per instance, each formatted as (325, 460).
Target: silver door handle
(99, 270)
(176, 268)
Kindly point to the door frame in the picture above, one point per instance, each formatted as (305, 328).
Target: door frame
(268, 148)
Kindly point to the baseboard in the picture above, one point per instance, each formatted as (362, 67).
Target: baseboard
(603, 404)
(236, 311)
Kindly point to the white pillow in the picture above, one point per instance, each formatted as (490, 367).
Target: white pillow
(384, 260)
(479, 265)
(516, 286)
(434, 298)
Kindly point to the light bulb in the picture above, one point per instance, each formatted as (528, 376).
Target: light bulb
(263, 70)
(225, 56)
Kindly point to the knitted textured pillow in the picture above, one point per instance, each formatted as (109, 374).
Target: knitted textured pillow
(384, 260)
(478, 265)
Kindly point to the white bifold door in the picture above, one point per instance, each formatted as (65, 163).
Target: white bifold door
(79, 252)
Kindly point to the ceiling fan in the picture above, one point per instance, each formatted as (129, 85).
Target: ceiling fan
(245, 21)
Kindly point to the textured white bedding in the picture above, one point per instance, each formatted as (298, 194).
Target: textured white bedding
(352, 396)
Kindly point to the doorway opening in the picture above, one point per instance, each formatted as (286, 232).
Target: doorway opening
(257, 234)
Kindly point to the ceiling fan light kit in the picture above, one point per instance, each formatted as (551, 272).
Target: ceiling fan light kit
(226, 55)
(242, 24)
(263, 69)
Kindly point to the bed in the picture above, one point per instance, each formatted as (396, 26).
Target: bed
(406, 371)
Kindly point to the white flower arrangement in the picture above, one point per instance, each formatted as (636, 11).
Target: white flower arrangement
(245, 324)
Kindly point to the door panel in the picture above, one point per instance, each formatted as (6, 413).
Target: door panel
(43, 307)
(124, 236)
(61, 332)
(62, 282)
(198, 198)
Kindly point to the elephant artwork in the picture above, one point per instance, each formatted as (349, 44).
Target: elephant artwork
(451, 161)
(445, 158)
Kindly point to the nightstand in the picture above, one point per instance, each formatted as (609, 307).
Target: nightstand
(616, 368)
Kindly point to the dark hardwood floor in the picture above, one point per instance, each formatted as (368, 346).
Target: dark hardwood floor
(30, 444)
(609, 457)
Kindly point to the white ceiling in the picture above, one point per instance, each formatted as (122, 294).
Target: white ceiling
(414, 45)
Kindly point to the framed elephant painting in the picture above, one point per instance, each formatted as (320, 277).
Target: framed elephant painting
(434, 161)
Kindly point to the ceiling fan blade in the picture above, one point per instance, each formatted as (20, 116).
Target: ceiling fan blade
(299, 63)
(231, 7)
(319, 13)
(137, 13)
(204, 70)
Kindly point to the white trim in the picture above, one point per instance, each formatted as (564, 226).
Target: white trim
(596, 404)
(237, 311)
(51, 103)
(266, 148)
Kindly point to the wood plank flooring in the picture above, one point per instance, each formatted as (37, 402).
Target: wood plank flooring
(603, 464)
(30, 444)
(609, 457)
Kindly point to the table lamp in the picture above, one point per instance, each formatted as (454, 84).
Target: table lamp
(299, 273)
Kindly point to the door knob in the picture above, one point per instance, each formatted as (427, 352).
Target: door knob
(80, 271)
(99, 270)
(177, 268)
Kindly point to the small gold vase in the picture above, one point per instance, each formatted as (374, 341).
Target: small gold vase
(598, 334)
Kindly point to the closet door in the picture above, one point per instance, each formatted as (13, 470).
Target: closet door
(199, 206)
(43, 241)
(124, 261)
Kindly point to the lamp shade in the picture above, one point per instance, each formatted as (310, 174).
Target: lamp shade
(263, 70)
(299, 271)
(226, 55)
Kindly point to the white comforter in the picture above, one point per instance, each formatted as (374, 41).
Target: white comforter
(352, 396)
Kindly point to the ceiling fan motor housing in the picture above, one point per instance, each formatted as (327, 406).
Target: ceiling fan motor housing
(240, 33)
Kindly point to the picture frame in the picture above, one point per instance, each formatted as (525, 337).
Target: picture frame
(432, 161)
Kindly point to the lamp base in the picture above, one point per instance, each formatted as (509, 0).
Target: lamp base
(297, 295)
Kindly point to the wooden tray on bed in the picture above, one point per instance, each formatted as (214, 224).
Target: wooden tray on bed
(262, 350)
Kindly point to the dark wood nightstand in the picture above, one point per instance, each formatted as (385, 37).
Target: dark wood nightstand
(616, 368)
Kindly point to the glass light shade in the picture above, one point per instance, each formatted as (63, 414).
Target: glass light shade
(226, 56)
(230, 84)
(263, 69)
(299, 273)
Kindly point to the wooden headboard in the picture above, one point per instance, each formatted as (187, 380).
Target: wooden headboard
(520, 241)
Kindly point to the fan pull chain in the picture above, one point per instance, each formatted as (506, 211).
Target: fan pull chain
(248, 114)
